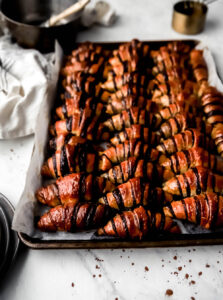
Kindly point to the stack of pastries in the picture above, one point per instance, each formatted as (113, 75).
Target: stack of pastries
(136, 142)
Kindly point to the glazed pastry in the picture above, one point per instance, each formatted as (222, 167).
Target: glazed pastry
(71, 217)
(126, 58)
(139, 168)
(133, 193)
(79, 82)
(73, 105)
(59, 141)
(70, 159)
(116, 154)
(75, 125)
(127, 118)
(135, 131)
(88, 58)
(217, 136)
(194, 182)
(128, 90)
(165, 114)
(180, 98)
(84, 51)
(198, 65)
(182, 121)
(173, 125)
(114, 83)
(73, 188)
(92, 68)
(83, 123)
(184, 141)
(180, 162)
(212, 104)
(118, 105)
(137, 224)
(205, 210)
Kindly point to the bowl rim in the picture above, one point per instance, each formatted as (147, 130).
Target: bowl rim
(38, 26)
(201, 4)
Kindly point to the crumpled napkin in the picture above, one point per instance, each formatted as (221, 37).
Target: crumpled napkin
(25, 78)
(99, 12)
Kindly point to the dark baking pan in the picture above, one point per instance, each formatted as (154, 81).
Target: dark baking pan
(167, 240)
(106, 243)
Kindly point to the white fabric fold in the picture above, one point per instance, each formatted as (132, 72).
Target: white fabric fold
(25, 77)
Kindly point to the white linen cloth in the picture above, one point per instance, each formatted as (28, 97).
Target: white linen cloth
(25, 78)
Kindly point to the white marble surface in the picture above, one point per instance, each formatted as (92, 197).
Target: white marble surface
(115, 274)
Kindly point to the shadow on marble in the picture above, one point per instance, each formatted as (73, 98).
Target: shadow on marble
(15, 270)
(211, 25)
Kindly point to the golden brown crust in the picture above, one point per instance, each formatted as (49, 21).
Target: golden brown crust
(217, 136)
(135, 131)
(71, 217)
(184, 141)
(180, 162)
(59, 141)
(137, 224)
(204, 210)
(139, 168)
(133, 193)
(194, 182)
(70, 159)
(73, 188)
(198, 65)
(116, 154)
(126, 118)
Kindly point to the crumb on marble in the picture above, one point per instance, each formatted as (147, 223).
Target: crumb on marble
(179, 268)
(94, 275)
(186, 276)
(97, 267)
(190, 260)
(200, 273)
(169, 292)
(132, 263)
(192, 298)
(99, 259)
(175, 273)
(99, 275)
(207, 266)
(72, 284)
(146, 269)
(175, 257)
(192, 282)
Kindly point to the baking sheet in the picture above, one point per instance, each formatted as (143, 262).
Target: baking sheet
(28, 206)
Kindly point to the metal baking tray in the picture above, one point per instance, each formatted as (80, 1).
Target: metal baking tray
(164, 240)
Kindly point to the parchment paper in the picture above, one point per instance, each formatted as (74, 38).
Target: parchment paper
(28, 206)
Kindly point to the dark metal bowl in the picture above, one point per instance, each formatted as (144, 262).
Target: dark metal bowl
(23, 19)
